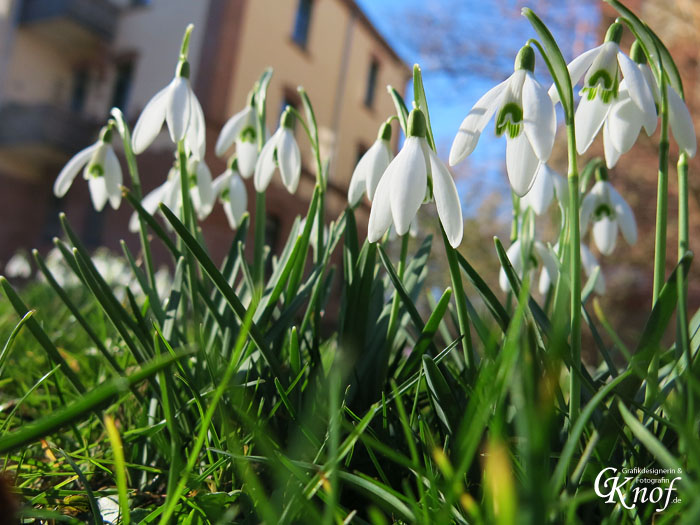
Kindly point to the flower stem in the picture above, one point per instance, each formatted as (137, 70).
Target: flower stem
(683, 246)
(460, 300)
(575, 268)
(259, 246)
(396, 301)
(662, 199)
(136, 191)
(660, 238)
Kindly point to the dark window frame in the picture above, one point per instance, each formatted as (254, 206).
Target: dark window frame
(302, 23)
(371, 82)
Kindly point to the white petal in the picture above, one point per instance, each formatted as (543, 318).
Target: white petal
(561, 189)
(221, 182)
(589, 263)
(590, 201)
(605, 234)
(196, 131)
(150, 121)
(624, 215)
(475, 122)
(521, 164)
(651, 82)
(612, 155)
(542, 192)
(357, 185)
(514, 256)
(446, 200)
(177, 108)
(589, 117)
(98, 192)
(539, 119)
(577, 67)
(247, 155)
(548, 260)
(265, 166)
(380, 214)
(237, 203)
(231, 130)
(289, 159)
(410, 181)
(113, 178)
(377, 162)
(625, 121)
(71, 169)
(545, 282)
(203, 194)
(681, 123)
(639, 90)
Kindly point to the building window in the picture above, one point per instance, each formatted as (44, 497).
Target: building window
(140, 3)
(122, 85)
(361, 150)
(289, 98)
(371, 83)
(300, 34)
(79, 93)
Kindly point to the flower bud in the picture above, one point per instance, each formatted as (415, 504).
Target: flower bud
(637, 53)
(525, 59)
(183, 69)
(384, 132)
(287, 119)
(614, 33)
(416, 124)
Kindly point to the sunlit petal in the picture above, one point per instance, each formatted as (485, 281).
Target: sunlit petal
(177, 109)
(68, 173)
(113, 178)
(409, 184)
(231, 130)
(539, 119)
(542, 192)
(446, 200)
(589, 118)
(380, 215)
(150, 121)
(681, 123)
(289, 159)
(521, 164)
(605, 234)
(247, 155)
(265, 166)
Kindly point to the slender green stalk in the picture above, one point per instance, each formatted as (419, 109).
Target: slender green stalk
(259, 243)
(660, 237)
(514, 220)
(460, 301)
(396, 301)
(683, 247)
(662, 199)
(119, 468)
(137, 192)
(575, 269)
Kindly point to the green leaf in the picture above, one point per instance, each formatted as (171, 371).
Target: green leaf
(440, 393)
(88, 402)
(400, 105)
(422, 102)
(555, 62)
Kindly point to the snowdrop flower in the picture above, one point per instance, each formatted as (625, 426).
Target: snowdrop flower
(100, 168)
(415, 173)
(167, 193)
(524, 113)
(609, 211)
(201, 188)
(18, 266)
(600, 68)
(232, 194)
(547, 184)
(624, 124)
(281, 150)
(369, 170)
(177, 106)
(539, 255)
(589, 263)
(241, 129)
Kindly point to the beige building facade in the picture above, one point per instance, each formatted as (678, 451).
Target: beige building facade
(65, 63)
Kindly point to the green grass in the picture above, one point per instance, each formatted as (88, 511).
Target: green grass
(333, 392)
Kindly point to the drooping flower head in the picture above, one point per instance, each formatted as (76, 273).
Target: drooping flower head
(232, 194)
(538, 256)
(241, 130)
(609, 76)
(589, 264)
(548, 184)
(101, 169)
(280, 151)
(524, 113)
(415, 175)
(371, 166)
(609, 211)
(177, 106)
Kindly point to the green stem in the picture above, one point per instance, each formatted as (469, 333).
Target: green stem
(575, 269)
(396, 301)
(684, 246)
(136, 191)
(660, 238)
(460, 300)
(514, 221)
(259, 246)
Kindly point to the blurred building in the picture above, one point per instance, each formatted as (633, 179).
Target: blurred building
(65, 63)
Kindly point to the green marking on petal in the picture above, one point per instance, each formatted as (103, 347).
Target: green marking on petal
(192, 180)
(601, 84)
(510, 120)
(96, 170)
(602, 211)
(248, 134)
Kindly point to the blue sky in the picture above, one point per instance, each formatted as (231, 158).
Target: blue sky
(451, 99)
